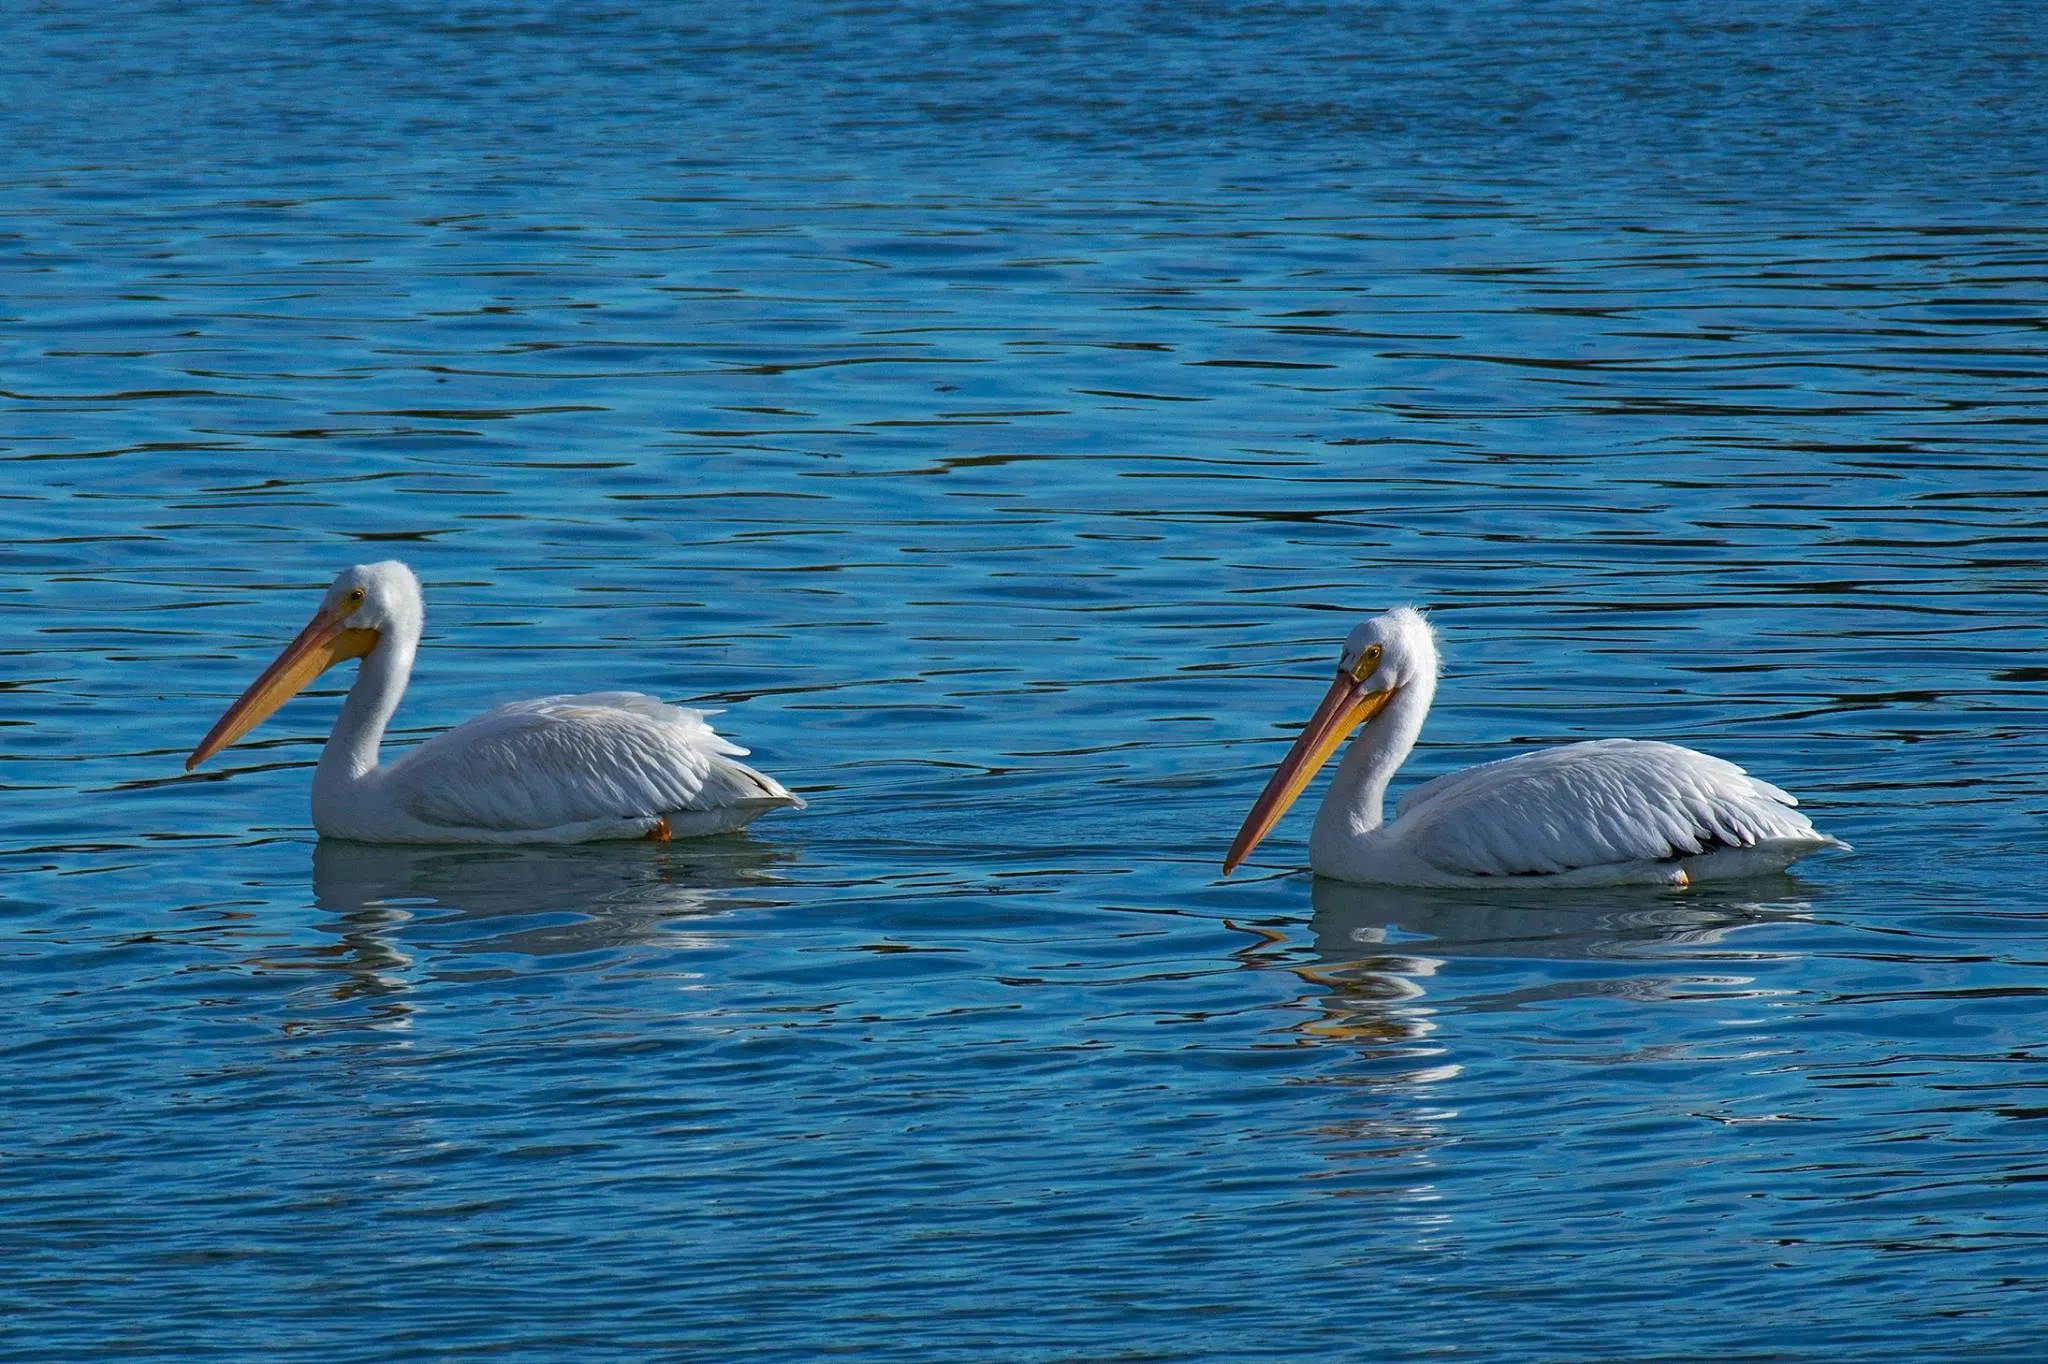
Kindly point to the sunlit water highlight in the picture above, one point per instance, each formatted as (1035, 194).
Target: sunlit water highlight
(1002, 412)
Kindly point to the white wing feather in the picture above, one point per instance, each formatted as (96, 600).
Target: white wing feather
(1593, 804)
(563, 760)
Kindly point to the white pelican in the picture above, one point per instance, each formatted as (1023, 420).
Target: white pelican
(560, 769)
(1609, 812)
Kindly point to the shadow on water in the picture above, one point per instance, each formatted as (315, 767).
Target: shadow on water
(526, 907)
(1376, 947)
(1542, 923)
(622, 891)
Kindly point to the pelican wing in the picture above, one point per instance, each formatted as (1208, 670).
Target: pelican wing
(567, 760)
(1593, 804)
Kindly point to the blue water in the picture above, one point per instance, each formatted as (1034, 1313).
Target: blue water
(1002, 411)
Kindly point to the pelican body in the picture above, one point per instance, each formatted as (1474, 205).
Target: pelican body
(560, 769)
(1608, 812)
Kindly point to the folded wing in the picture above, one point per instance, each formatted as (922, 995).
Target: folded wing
(1593, 804)
(566, 760)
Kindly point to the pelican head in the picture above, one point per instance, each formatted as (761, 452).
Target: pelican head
(364, 604)
(1380, 658)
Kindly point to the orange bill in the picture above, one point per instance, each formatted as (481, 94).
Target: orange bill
(1345, 707)
(322, 644)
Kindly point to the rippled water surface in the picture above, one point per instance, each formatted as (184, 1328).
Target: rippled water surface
(1001, 411)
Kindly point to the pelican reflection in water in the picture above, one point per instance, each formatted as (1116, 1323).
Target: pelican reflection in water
(1379, 948)
(1408, 986)
(529, 902)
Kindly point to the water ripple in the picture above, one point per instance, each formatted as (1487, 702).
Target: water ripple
(1001, 412)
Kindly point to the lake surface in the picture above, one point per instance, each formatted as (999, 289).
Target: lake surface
(1002, 412)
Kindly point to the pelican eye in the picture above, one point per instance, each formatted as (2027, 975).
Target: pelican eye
(354, 598)
(1367, 661)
